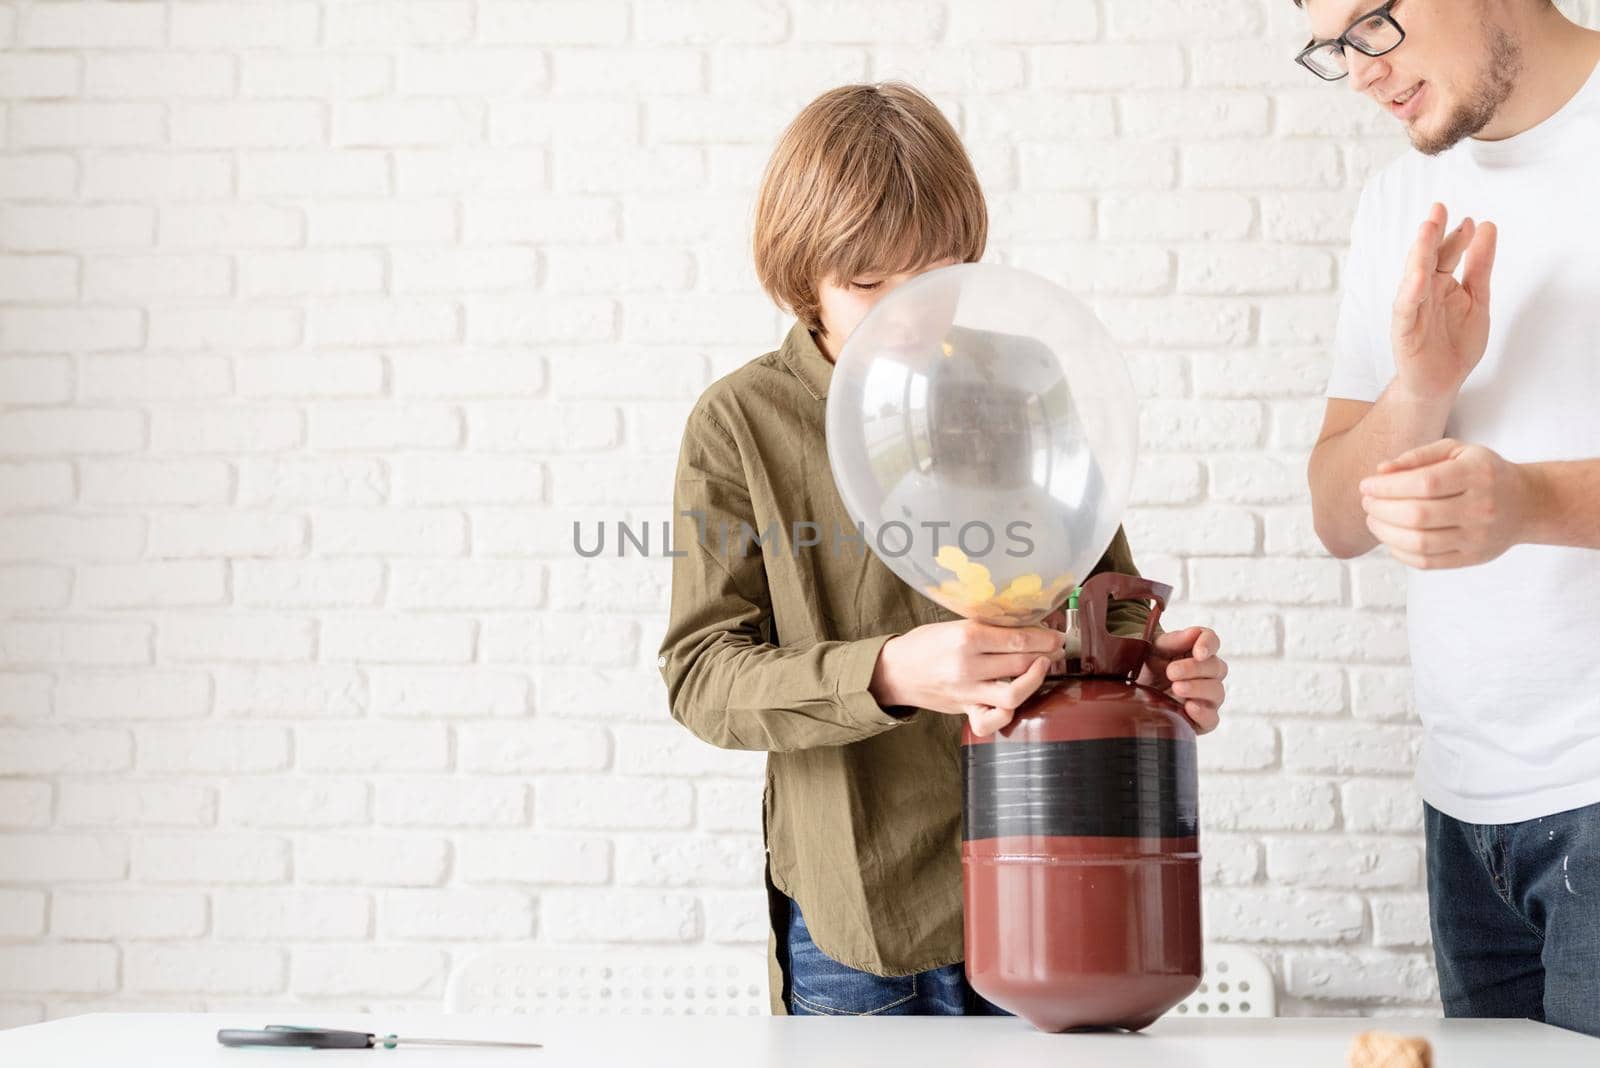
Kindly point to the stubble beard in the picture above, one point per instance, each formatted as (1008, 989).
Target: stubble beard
(1494, 86)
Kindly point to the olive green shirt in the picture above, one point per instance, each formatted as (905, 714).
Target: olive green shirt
(773, 648)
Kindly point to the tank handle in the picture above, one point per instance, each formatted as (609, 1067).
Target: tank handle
(1105, 653)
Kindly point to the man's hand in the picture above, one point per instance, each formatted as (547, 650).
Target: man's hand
(965, 668)
(1185, 663)
(1440, 325)
(1448, 505)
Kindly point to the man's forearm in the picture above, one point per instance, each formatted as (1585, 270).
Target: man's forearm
(1566, 503)
(1394, 424)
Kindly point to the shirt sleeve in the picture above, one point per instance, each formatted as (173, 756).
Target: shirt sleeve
(1126, 619)
(1362, 328)
(725, 680)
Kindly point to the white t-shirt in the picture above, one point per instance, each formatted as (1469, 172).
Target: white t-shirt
(1505, 655)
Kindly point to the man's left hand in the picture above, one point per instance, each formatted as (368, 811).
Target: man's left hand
(1447, 504)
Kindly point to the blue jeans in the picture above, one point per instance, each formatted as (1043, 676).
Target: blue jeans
(821, 986)
(1515, 910)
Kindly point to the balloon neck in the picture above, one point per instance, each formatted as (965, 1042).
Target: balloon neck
(1072, 640)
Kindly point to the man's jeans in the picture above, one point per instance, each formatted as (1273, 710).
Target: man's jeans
(821, 986)
(1515, 911)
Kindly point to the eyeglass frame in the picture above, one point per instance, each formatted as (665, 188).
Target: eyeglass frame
(1343, 41)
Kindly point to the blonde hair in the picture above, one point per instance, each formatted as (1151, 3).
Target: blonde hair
(867, 178)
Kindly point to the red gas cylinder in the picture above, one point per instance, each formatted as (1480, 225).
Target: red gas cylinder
(1080, 851)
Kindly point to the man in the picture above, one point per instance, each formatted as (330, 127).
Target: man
(1465, 442)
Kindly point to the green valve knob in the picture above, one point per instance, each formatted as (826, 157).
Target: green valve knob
(1072, 599)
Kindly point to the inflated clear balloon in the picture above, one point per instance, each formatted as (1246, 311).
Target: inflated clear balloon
(983, 429)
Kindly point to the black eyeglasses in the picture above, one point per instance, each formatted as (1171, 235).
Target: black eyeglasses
(1373, 34)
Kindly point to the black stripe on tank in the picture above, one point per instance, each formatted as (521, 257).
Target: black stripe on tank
(1093, 787)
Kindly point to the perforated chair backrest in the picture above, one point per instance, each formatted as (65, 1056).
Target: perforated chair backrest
(560, 982)
(1236, 983)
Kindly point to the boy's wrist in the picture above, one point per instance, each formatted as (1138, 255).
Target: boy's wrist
(885, 685)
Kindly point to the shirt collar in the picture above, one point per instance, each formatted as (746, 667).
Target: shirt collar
(1536, 142)
(806, 362)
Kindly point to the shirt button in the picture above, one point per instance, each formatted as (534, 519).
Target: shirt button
(661, 661)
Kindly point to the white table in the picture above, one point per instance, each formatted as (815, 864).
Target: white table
(178, 1040)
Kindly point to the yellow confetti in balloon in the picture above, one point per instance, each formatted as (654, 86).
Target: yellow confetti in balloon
(973, 574)
(972, 592)
(1025, 586)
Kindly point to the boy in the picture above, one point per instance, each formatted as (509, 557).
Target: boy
(823, 658)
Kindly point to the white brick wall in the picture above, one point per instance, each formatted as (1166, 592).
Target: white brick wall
(321, 322)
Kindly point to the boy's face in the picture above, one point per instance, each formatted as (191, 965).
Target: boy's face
(845, 302)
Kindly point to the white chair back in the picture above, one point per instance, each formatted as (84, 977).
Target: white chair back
(547, 981)
(1236, 983)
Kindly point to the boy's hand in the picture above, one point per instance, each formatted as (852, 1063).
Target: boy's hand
(1185, 663)
(965, 668)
